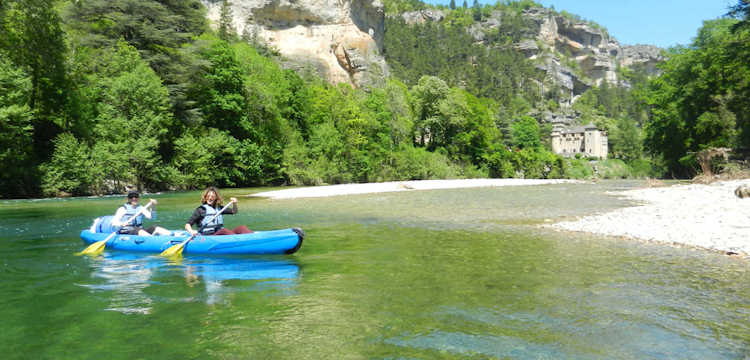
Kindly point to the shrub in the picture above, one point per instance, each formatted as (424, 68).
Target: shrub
(213, 158)
(579, 169)
(71, 169)
(641, 168)
(612, 169)
(416, 163)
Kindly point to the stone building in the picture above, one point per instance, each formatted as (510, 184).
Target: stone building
(587, 140)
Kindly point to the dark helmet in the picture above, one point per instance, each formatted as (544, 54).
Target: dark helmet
(133, 194)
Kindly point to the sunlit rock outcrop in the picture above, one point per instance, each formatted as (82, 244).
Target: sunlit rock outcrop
(596, 53)
(574, 54)
(339, 39)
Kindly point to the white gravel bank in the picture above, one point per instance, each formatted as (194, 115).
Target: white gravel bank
(707, 216)
(350, 189)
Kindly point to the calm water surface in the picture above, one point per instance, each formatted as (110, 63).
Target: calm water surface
(445, 274)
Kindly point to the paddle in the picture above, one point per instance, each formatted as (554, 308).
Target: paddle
(177, 248)
(98, 246)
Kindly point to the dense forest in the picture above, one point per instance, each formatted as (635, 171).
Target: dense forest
(100, 95)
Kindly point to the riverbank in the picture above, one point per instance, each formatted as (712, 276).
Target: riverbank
(353, 189)
(706, 216)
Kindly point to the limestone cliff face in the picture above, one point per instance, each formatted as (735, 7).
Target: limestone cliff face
(340, 39)
(645, 55)
(597, 54)
(574, 54)
(592, 49)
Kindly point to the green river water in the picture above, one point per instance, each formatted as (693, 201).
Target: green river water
(443, 274)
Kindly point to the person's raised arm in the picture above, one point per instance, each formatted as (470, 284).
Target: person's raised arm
(233, 210)
(145, 210)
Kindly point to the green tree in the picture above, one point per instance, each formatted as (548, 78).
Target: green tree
(133, 118)
(537, 163)
(699, 101)
(226, 30)
(400, 120)
(476, 10)
(16, 131)
(741, 11)
(295, 103)
(625, 140)
(221, 92)
(426, 98)
(526, 134)
(465, 127)
(71, 170)
(35, 42)
(498, 162)
(270, 95)
(401, 6)
(157, 28)
(447, 50)
(209, 158)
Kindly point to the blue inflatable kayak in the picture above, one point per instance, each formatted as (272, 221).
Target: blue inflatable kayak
(286, 241)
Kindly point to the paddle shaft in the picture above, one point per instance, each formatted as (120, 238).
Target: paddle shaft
(140, 211)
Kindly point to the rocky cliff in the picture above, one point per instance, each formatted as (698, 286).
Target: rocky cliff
(596, 54)
(575, 55)
(340, 39)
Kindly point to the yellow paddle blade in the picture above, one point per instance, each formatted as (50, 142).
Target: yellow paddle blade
(94, 248)
(174, 250)
(97, 247)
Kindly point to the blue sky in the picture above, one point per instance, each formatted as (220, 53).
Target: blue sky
(662, 23)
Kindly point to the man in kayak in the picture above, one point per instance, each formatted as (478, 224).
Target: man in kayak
(135, 227)
(209, 219)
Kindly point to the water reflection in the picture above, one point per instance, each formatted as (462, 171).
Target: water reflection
(126, 277)
(133, 281)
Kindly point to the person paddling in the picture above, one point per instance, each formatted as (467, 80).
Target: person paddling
(211, 204)
(135, 227)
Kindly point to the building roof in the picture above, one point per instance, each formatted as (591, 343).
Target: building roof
(578, 129)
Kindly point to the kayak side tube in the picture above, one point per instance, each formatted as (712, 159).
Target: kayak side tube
(284, 241)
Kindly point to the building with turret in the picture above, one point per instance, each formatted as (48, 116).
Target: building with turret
(587, 140)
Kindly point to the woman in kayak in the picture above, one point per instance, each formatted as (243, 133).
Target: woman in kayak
(209, 220)
(135, 227)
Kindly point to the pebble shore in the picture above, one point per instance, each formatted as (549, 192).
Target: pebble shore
(705, 216)
(353, 189)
